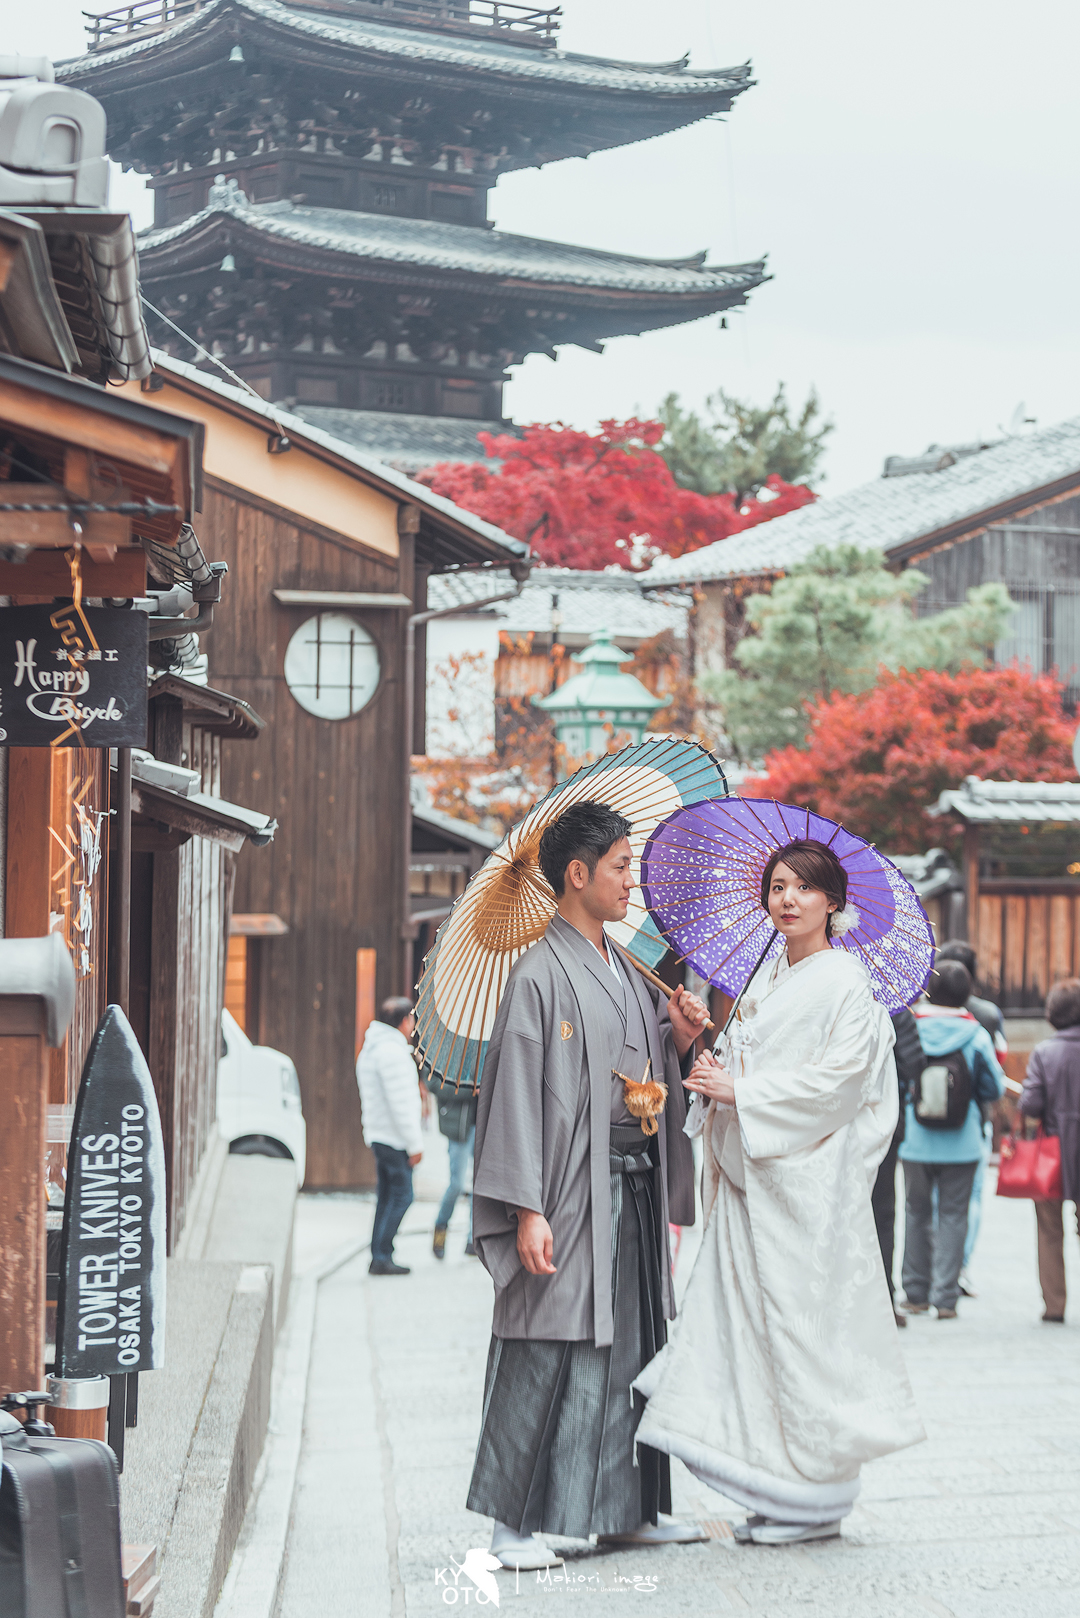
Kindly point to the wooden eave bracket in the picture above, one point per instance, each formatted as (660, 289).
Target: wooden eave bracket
(197, 816)
(255, 924)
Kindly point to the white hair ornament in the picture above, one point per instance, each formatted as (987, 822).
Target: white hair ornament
(842, 921)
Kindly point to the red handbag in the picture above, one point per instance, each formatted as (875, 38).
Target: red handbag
(1030, 1168)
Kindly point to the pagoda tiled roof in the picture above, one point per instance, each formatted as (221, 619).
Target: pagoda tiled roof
(462, 55)
(464, 249)
(406, 441)
(898, 515)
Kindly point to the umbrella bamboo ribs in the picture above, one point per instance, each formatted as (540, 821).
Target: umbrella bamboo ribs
(508, 904)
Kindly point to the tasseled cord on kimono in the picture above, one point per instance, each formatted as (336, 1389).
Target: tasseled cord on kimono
(644, 1098)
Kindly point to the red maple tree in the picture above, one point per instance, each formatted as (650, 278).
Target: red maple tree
(877, 760)
(588, 500)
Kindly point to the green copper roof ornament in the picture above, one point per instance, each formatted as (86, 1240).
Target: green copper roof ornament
(601, 703)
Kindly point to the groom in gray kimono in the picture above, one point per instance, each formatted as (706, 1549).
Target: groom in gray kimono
(571, 1204)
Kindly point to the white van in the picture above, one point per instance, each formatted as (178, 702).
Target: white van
(258, 1099)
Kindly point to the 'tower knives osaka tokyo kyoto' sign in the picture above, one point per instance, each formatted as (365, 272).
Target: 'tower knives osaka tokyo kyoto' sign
(111, 1304)
(72, 676)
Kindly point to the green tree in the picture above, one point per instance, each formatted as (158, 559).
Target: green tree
(826, 629)
(738, 446)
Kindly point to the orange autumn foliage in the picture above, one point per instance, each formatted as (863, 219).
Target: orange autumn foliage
(593, 500)
(879, 759)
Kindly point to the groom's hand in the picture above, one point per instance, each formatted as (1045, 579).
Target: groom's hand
(535, 1244)
(688, 1017)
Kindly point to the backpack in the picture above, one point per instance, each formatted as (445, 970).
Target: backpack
(456, 1108)
(943, 1092)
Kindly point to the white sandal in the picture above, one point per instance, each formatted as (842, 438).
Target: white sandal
(771, 1532)
(521, 1551)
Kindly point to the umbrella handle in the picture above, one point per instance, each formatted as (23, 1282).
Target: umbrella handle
(658, 983)
(750, 979)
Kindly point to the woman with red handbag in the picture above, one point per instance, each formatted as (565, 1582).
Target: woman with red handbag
(1051, 1094)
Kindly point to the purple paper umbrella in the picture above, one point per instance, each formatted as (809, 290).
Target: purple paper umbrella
(701, 878)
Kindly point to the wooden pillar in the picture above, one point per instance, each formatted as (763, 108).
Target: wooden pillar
(121, 951)
(29, 846)
(365, 994)
(165, 991)
(37, 997)
(24, 1094)
(971, 883)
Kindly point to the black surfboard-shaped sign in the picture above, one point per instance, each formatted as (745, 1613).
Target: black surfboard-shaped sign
(111, 1305)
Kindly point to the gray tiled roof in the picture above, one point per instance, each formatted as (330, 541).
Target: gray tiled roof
(587, 602)
(1011, 801)
(422, 810)
(408, 442)
(295, 428)
(930, 874)
(464, 248)
(889, 512)
(545, 68)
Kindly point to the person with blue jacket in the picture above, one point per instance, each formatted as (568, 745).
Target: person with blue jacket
(944, 1158)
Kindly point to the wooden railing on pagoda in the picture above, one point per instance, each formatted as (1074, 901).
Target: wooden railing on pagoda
(525, 25)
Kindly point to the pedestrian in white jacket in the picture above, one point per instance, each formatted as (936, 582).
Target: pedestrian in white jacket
(391, 1111)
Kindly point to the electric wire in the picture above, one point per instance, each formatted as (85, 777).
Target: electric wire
(205, 353)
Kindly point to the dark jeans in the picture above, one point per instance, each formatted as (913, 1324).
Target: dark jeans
(395, 1197)
(933, 1253)
(883, 1200)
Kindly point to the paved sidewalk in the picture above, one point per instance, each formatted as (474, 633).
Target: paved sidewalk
(982, 1521)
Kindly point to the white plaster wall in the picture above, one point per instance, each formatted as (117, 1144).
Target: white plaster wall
(461, 655)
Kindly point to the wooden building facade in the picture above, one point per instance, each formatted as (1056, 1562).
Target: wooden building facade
(1007, 513)
(328, 555)
(63, 869)
(183, 863)
(1036, 555)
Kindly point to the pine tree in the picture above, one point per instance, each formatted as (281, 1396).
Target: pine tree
(738, 447)
(826, 629)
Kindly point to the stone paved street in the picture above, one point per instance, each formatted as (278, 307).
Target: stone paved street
(982, 1521)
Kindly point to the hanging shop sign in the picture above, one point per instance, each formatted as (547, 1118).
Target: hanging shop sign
(110, 1316)
(73, 676)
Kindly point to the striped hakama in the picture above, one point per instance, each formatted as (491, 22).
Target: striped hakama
(556, 1450)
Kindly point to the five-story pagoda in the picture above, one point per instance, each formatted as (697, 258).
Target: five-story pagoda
(321, 172)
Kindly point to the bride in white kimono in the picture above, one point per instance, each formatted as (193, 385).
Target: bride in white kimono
(785, 1372)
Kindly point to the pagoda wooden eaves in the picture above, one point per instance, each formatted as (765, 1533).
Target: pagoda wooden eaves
(337, 308)
(426, 92)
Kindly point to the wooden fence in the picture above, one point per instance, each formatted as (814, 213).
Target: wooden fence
(1027, 936)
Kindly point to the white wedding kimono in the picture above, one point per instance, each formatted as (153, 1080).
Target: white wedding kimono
(785, 1372)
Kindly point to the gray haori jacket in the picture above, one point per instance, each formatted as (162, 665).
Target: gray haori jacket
(542, 1134)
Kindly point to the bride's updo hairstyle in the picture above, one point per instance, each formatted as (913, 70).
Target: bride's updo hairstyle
(819, 868)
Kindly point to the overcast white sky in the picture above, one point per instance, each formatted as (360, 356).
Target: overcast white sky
(911, 172)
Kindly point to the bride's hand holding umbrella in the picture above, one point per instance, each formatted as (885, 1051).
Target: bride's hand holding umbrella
(711, 1080)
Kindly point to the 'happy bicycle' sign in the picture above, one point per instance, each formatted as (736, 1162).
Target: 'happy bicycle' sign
(72, 676)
